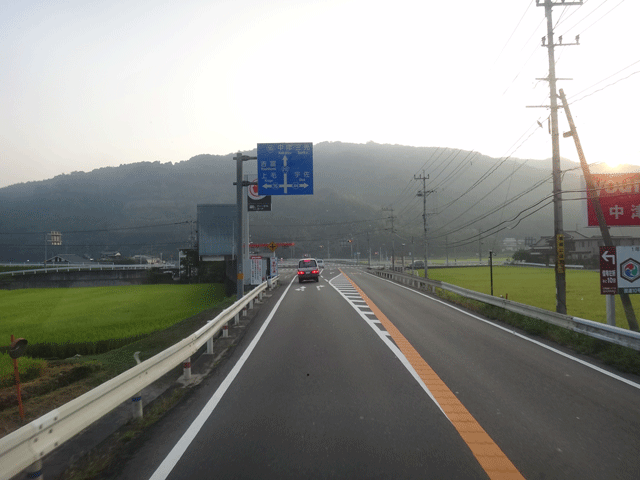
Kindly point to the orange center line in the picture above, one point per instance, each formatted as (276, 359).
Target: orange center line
(491, 458)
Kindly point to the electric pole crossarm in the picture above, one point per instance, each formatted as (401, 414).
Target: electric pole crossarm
(561, 3)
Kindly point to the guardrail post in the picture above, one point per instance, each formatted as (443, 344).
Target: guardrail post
(210, 346)
(236, 319)
(35, 470)
(186, 368)
(244, 311)
(225, 330)
(137, 405)
(251, 305)
(137, 398)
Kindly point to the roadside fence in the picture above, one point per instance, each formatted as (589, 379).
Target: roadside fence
(601, 331)
(25, 448)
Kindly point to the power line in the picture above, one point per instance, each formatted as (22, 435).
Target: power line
(600, 18)
(318, 224)
(514, 31)
(493, 230)
(491, 212)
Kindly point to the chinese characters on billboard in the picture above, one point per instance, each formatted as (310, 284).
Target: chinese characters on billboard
(619, 197)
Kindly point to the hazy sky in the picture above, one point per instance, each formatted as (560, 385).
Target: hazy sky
(86, 84)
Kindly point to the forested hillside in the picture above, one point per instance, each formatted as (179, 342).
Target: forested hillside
(147, 207)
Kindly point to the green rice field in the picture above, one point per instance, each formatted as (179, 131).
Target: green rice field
(74, 315)
(536, 287)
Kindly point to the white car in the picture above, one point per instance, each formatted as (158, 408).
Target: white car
(320, 262)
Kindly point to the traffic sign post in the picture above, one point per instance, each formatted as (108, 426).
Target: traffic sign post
(285, 169)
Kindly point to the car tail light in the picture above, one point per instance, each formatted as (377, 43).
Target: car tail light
(300, 272)
(315, 271)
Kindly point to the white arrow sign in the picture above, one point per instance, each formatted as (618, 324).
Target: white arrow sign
(609, 257)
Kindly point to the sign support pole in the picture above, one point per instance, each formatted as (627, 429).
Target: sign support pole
(241, 213)
(592, 194)
(239, 236)
(611, 310)
(245, 251)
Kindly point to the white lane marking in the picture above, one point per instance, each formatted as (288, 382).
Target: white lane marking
(386, 338)
(319, 286)
(167, 465)
(566, 355)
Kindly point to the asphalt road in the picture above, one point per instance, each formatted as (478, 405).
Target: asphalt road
(380, 381)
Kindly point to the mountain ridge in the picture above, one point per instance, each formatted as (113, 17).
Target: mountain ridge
(352, 185)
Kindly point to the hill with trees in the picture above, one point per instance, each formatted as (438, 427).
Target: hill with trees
(364, 192)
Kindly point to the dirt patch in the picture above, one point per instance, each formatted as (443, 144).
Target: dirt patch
(60, 384)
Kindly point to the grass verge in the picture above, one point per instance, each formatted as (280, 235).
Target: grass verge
(621, 358)
(64, 380)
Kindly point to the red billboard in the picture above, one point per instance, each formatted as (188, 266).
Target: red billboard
(619, 195)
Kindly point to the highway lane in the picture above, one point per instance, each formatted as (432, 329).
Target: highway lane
(553, 417)
(320, 396)
(323, 395)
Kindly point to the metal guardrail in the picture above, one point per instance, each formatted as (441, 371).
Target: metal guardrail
(601, 331)
(77, 267)
(31, 443)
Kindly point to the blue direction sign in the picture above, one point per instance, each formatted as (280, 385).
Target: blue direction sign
(285, 168)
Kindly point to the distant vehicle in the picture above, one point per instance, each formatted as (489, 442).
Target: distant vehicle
(418, 264)
(320, 262)
(308, 270)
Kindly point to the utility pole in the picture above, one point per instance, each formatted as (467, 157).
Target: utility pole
(423, 193)
(393, 242)
(595, 201)
(561, 283)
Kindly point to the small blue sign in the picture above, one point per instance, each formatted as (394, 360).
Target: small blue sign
(285, 168)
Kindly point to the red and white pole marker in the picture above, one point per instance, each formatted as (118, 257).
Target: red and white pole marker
(186, 368)
(225, 330)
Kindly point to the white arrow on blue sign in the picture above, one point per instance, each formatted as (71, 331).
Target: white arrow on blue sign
(285, 168)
